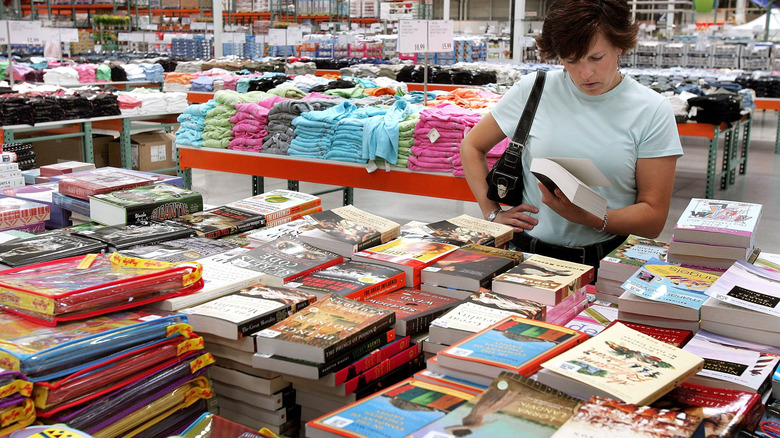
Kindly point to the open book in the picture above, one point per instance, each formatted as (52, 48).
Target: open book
(575, 177)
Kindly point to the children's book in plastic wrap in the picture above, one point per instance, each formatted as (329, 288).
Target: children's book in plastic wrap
(86, 286)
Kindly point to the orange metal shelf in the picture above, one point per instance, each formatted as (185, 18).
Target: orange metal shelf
(765, 103)
(397, 180)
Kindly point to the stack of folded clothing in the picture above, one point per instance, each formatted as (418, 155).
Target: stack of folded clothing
(178, 82)
(381, 134)
(348, 137)
(249, 124)
(75, 106)
(280, 129)
(218, 130)
(203, 84)
(118, 74)
(14, 110)
(192, 122)
(314, 130)
(134, 72)
(152, 72)
(87, 73)
(46, 109)
(61, 76)
(103, 73)
(406, 137)
(438, 135)
(105, 104)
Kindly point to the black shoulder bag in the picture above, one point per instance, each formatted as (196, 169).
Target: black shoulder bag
(505, 180)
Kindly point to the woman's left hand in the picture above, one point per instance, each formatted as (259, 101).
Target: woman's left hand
(560, 204)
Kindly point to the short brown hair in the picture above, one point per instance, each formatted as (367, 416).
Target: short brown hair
(570, 27)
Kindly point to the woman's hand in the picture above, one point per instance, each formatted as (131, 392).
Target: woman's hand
(518, 217)
(560, 204)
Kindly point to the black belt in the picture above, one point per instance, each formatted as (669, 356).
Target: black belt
(587, 255)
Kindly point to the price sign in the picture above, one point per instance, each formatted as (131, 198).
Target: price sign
(137, 37)
(150, 37)
(277, 37)
(50, 34)
(413, 36)
(294, 36)
(123, 36)
(198, 25)
(3, 32)
(441, 36)
(69, 35)
(25, 32)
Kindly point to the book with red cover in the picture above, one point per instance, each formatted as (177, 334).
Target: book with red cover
(351, 279)
(725, 411)
(676, 337)
(414, 309)
(409, 253)
(84, 185)
(15, 212)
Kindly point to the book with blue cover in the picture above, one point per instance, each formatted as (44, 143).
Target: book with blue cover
(660, 281)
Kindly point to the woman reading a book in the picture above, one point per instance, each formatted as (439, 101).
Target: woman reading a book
(587, 110)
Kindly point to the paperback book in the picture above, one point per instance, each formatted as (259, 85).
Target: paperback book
(181, 250)
(668, 283)
(277, 203)
(631, 255)
(16, 212)
(543, 279)
(144, 204)
(718, 222)
(671, 336)
(346, 230)
(321, 331)
(748, 286)
(290, 229)
(468, 229)
(220, 221)
(46, 247)
(414, 309)
(121, 237)
(574, 177)
(352, 279)
(620, 363)
(85, 184)
(470, 267)
(594, 319)
(511, 404)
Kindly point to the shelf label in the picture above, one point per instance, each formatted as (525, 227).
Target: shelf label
(25, 32)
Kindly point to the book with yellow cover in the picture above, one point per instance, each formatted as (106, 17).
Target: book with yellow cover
(620, 363)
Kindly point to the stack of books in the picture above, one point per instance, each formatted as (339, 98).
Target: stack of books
(471, 230)
(43, 194)
(23, 215)
(713, 234)
(348, 229)
(15, 401)
(10, 176)
(353, 279)
(143, 204)
(46, 172)
(622, 262)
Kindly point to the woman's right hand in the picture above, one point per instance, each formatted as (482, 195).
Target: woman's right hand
(518, 217)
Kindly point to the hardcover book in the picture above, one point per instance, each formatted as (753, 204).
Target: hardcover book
(15, 212)
(601, 417)
(479, 312)
(290, 229)
(514, 344)
(750, 287)
(414, 309)
(70, 203)
(543, 279)
(141, 233)
(48, 246)
(410, 254)
(321, 331)
(574, 177)
(346, 230)
(512, 404)
(718, 222)
(624, 260)
(352, 279)
(277, 204)
(181, 250)
(220, 221)
(470, 267)
(620, 363)
(247, 311)
(733, 364)
(394, 412)
(85, 184)
(468, 229)
(144, 204)
(42, 194)
(725, 412)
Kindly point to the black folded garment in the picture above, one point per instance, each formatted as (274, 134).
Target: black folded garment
(168, 64)
(15, 110)
(34, 76)
(480, 77)
(118, 74)
(268, 83)
(105, 104)
(716, 108)
(46, 109)
(438, 75)
(76, 106)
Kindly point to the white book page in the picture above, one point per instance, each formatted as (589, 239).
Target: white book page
(583, 169)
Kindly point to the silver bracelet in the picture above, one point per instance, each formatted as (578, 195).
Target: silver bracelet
(603, 225)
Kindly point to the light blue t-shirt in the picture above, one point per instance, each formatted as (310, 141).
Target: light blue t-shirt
(612, 129)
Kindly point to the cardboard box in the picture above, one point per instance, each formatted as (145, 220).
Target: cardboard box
(100, 149)
(149, 151)
(55, 151)
(170, 4)
(193, 4)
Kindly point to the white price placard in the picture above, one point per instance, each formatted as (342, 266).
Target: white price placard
(413, 36)
(150, 37)
(277, 37)
(3, 32)
(123, 36)
(25, 32)
(49, 34)
(198, 25)
(69, 35)
(137, 37)
(441, 36)
(294, 36)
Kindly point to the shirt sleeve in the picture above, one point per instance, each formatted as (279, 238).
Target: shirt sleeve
(662, 138)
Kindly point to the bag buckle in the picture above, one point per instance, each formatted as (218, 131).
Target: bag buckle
(513, 153)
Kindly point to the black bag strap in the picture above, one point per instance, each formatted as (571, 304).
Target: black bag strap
(527, 119)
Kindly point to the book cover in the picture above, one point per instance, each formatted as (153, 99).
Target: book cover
(768, 260)
(247, 311)
(733, 364)
(667, 283)
(15, 212)
(601, 417)
(621, 363)
(346, 230)
(144, 204)
(750, 287)
(277, 203)
(725, 412)
(290, 229)
(427, 375)
(707, 250)
(634, 252)
(470, 267)
(594, 319)
(396, 411)
(671, 336)
(468, 229)
(65, 167)
(85, 184)
(769, 424)
(156, 178)
(411, 254)
(48, 246)
(543, 279)
(220, 221)
(414, 309)
(70, 203)
(352, 279)
(140, 233)
(181, 250)
(511, 404)
(574, 177)
(321, 331)
(514, 344)
(718, 222)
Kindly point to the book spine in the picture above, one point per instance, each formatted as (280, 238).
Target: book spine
(72, 204)
(356, 353)
(9, 183)
(162, 210)
(421, 323)
(371, 360)
(70, 188)
(262, 322)
(10, 167)
(382, 369)
(382, 324)
(373, 240)
(251, 224)
(292, 210)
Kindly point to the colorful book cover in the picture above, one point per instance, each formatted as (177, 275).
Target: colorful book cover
(141, 233)
(285, 259)
(601, 417)
(414, 309)
(277, 204)
(393, 412)
(427, 375)
(725, 412)
(633, 253)
(351, 226)
(48, 246)
(544, 279)
(220, 221)
(624, 363)
(321, 331)
(718, 222)
(661, 281)
(594, 319)
(769, 425)
(512, 405)
(514, 344)
(85, 184)
(289, 229)
(42, 193)
(671, 336)
(468, 229)
(143, 204)
(470, 267)
(748, 286)
(352, 279)
(18, 211)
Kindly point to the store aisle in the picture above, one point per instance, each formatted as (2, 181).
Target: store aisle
(760, 185)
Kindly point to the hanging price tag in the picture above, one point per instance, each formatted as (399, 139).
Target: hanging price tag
(413, 36)
(25, 32)
(441, 36)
